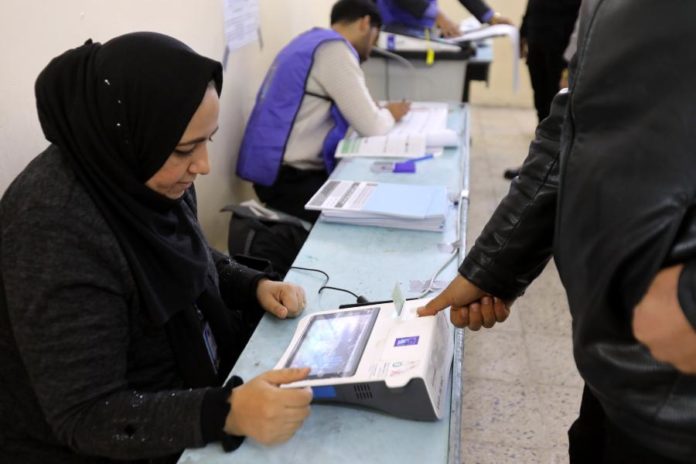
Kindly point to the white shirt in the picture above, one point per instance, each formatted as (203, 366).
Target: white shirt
(335, 74)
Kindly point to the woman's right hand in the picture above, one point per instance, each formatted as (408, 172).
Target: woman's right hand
(266, 413)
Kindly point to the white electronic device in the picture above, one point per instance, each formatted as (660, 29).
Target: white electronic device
(372, 356)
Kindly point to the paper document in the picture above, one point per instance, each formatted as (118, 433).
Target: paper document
(428, 118)
(422, 118)
(241, 22)
(385, 146)
(473, 32)
(418, 207)
(422, 130)
(403, 43)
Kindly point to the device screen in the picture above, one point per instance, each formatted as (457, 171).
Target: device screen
(332, 344)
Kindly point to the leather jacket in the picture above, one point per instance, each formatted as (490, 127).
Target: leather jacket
(609, 189)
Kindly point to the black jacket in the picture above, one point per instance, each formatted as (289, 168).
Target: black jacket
(609, 183)
(84, 377)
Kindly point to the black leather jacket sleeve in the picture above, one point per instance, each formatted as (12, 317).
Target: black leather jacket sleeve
(517, 241)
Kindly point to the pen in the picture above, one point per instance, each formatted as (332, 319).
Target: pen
(427, 156)
(410, 165)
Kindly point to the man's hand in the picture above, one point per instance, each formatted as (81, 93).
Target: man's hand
(470, 306)
(280, 299)
(659, 323)
(498, 19)
(448, 28)
(524, 48)
(270, 415)
(399, 109)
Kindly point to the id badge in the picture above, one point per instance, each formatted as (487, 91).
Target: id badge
(211, 346)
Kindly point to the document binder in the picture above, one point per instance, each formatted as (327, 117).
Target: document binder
(402, 206)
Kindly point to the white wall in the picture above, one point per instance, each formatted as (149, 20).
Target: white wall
(34, 31)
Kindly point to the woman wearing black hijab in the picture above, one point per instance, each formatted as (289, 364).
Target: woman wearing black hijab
(115, 324)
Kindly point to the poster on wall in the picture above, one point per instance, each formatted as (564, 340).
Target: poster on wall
(241, 23)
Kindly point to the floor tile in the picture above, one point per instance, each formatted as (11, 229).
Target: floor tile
(551, 360)
(492, 453)
(505, 413)
(496, 355)
(560, 407)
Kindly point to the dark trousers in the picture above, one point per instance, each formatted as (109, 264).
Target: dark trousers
(292, 190)
(593, 439)
(545, 65)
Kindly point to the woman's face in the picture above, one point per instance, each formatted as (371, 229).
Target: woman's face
(190, 157)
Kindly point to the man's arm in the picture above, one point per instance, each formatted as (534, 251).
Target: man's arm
(516, 243)
(338, 72)
(479, 9)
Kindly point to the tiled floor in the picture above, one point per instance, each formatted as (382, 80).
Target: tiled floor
(521, 390)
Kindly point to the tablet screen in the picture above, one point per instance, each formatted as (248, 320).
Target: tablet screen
(332, 344)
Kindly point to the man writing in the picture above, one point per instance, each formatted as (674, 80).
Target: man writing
(314, 90)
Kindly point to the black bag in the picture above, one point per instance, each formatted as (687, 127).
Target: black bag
(258, 232)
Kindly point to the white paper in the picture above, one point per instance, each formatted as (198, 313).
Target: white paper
(241, 22)
(422, 130)
(424, 117)
(473, 32)
(403, 43)
(442, 138)
(342, 195)
(383, 146)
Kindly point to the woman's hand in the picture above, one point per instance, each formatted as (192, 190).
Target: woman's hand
(280, 298)
(266, 413)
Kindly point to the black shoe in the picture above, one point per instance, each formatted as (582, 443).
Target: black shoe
(511, 173)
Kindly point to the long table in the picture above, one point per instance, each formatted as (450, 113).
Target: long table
(367, 261)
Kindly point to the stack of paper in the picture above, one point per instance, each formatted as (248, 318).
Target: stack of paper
(417, 207)
(422, 130)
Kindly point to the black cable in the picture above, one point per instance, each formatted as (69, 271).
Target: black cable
(359, 298)
(313, 270)
(338, 290)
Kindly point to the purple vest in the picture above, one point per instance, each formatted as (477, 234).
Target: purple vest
(277, 104)
(392, 14)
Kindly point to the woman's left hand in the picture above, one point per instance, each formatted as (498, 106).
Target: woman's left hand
(280, 299)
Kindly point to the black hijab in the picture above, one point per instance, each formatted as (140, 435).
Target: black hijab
(117, 111)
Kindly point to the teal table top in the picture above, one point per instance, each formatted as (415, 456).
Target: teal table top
(367, 261)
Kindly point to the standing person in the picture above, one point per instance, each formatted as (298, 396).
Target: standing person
(314, 90)
(426, 14)
(608, 190)
(118, 322)
(546, 29)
